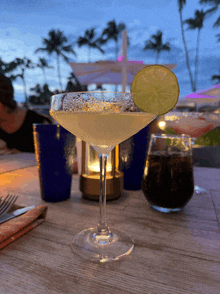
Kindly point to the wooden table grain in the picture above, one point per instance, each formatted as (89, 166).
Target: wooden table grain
(174, 253)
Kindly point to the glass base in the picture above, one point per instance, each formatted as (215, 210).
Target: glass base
(199, 190)
(90, 246)
(165, 210)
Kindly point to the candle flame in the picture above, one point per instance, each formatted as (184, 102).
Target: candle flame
(94, 167)
(162, 125)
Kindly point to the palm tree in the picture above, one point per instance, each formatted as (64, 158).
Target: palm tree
(89, 40)
(23, 65)
(156, 44)
(57, 43)
(196, 23)
(42, 64)
(73, 84)
(181, 4)
(216, 77)
(113, 32)
(3, 66)
(193, 24)
(215, 4)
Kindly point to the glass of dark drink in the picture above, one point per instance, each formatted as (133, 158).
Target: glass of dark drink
(168, 182)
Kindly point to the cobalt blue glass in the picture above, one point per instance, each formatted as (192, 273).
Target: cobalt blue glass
(55, 150)
(133, 154)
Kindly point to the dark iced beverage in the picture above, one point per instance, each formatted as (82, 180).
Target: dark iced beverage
(168, 180)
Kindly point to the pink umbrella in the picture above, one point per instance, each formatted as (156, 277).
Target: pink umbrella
(213, 90)
(210, 95)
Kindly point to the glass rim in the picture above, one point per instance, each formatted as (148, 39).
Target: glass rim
(169, 136)
(125, 100)
(92, 92)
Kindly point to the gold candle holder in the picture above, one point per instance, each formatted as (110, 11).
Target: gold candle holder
(90, 174)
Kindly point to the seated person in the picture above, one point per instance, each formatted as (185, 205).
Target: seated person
(16, 123)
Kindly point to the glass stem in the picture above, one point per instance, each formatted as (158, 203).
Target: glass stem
(102, 226)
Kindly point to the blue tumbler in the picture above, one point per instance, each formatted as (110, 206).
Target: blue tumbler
(55, 153)
(133, 153)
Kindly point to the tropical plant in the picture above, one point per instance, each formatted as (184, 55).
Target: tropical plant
(72, 87)
(99, 87)
(113, 32)
(57, 43)
(36, 89)
(42, 95)
(156, 44)
(73, 84)
(216, 4)
(181, 4)
(89, 39)
(42, 64)
(3, 66)
(23, 64)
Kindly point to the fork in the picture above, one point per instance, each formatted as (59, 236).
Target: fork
(7, 203)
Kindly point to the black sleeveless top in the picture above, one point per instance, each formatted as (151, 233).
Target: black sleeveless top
(23, 139)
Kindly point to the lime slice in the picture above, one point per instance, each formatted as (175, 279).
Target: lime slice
(155, 89)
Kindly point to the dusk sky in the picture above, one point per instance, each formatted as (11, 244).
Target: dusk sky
(23, 25)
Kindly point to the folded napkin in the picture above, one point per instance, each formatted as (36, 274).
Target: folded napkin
(20, 225)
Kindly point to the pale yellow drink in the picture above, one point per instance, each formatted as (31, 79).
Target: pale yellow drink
(104, 130)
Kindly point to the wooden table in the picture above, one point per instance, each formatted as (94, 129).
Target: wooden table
(174, 253)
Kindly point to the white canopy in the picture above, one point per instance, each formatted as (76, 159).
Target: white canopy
(111, 72)
(107, 72)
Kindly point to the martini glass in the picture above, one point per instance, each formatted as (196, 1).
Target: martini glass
(102, 119)
(194, 124)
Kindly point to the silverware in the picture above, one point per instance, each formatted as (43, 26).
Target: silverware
(17, 212)
(7, 203)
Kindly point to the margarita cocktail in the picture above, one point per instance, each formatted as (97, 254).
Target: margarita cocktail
(105, 119)
(102, 119)
(103, 129)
